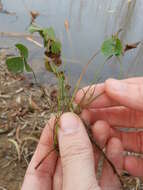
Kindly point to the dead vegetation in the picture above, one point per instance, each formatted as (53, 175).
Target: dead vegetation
(24, 111)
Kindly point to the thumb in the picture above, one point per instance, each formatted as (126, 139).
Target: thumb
(76, 154)
(126, 94)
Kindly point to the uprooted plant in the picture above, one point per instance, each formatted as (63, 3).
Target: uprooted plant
(65, 97)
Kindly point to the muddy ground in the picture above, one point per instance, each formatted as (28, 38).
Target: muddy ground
(24, 111)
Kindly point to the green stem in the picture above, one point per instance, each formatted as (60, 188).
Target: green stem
(34, 77)
(121, 74)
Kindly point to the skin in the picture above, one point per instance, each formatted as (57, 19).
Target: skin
(76, 167)
(121, 106)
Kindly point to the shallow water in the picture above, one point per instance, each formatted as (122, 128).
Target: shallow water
(90, 22)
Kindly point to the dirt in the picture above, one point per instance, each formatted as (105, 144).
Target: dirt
(24, 111)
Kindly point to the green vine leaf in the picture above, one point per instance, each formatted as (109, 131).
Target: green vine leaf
(112, 47)
(22, 50)
(15, 64)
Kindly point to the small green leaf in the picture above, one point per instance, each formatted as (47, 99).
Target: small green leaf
(50, 33)
(22, 50)
(112, 46)
(15, 64)
(56, 47)
(34, 28)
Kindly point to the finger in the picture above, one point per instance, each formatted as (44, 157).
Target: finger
(104, 100)
(134, 80)
(41, 178)
(114, 152)
(115, 116)
(134, 166)
(101, 132)
(58, 176)
(85, 95)
(130, 95)
(76, 154)
(132, 141)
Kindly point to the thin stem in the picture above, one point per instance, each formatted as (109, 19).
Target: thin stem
(82, 74)
(43, 159)
(34, 77)
(93, 99)
(121, 68)
(101, 68)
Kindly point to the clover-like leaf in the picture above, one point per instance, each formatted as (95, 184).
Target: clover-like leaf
(15, 64)
(112, 47)
(22, 50)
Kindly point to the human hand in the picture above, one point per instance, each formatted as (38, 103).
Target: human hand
(122, 107)
(76, 166)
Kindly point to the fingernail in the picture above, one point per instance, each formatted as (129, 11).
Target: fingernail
(69, 123)
(117, 85)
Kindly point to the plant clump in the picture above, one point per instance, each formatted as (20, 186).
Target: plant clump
(64, 95)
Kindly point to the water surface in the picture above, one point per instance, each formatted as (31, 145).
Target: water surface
(90, 22)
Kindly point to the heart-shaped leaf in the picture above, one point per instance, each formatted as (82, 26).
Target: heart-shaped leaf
(112, 47)
(15, 64)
